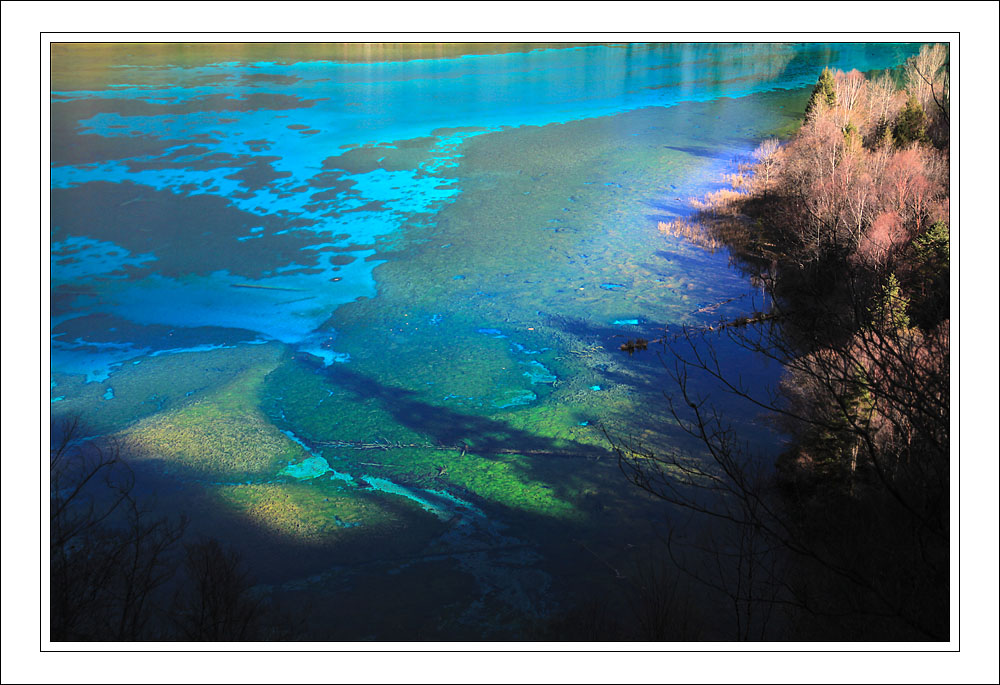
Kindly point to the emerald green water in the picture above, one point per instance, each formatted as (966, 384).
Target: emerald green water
(362, 320)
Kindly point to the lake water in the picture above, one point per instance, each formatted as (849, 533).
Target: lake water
(361, 318)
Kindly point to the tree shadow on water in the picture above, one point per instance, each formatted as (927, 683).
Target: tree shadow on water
(482, 435)
(650, 373)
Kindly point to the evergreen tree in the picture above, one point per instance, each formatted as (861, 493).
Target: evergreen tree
(886, 141)
(823, 92)
(911, 124)
(932, 254)
(852, 138)
(932, 248)
(890, 307)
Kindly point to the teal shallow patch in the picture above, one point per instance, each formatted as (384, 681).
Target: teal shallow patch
(387, 486)
(311, 467)
(515, 398)
(537, 373)
(346, 477)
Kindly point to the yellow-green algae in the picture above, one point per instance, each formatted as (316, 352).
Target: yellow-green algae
(503, 480)
(221, 435)
(358, 524)
(149, 385)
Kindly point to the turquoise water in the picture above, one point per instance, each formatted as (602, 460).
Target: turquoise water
(417, 272)
(265, 182)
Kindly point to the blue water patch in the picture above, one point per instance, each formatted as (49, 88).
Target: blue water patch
(492, 332)
(224, 300)
(626, 322)
(328, 356)
(612, 286)
(518, 347)
(595, 388)
(109, 394)
(58, 399)
(98, 360)
(95, 361)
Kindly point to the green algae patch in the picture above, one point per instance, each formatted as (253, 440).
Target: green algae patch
(330, 404)
(144, 386)
(219, 436)
(326, 512)
(298, 511)
(438, 359)
(503, 480)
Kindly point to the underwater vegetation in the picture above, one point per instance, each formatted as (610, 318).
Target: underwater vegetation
(221, 435)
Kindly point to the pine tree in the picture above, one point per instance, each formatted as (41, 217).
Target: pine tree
(886, 141)
(890, 307)
(911, 124)
(932, 291)
(932, 248)
(823, 92)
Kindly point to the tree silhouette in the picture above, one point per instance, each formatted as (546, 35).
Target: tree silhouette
(113, 564)
(851, 534)
(108, 556)
(216, 604)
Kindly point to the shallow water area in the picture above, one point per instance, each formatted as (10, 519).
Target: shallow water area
(363, 318)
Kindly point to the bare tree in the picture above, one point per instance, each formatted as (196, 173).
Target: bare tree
(927, 79)
(767, 157)
(853, 529)
(108, 556)
(217, 603)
